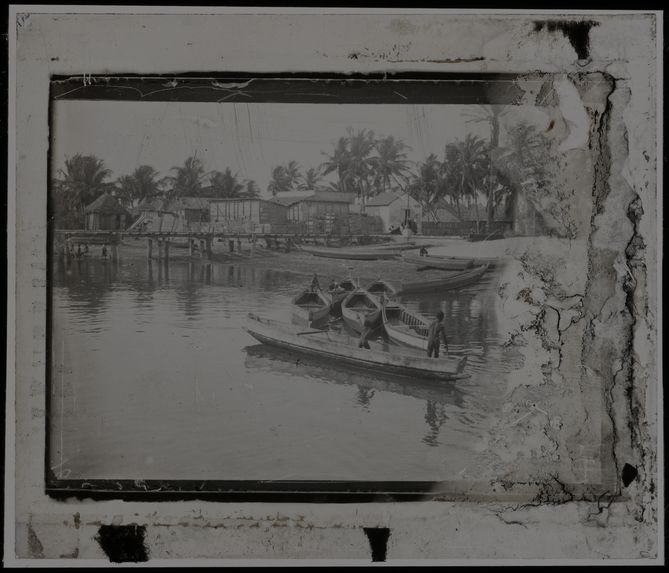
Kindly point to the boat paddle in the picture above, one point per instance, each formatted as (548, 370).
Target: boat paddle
(312, 332)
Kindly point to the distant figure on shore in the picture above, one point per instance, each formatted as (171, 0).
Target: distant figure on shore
(435, 334)
(104, 251)
(85, 248)
(423, 252)
(315, 285)
(79, 251)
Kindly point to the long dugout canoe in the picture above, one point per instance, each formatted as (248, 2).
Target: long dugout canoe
(352, 254)
(324, 345)
(443, 263)
(452, 281)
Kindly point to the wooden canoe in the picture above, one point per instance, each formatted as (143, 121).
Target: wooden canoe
(328, 346)
(312, 306)
(360, 306)
(339, 293)
(381, 287)
(452, 281)
(356, 254)
(404, 326)
(443, 263)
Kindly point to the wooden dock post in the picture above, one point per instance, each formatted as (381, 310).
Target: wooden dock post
(167, 250)
(231, 245)
(190, 246)
(149, 248)
(209, 244)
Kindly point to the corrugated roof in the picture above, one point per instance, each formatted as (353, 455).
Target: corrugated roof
(285, 201)
(106, 204)
(382, 199)
(320, 197)
(155, 204)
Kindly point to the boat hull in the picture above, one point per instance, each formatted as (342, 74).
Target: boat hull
(352, 254)
(402, 333)
(354, 318)
(443, 263)
(323, 346)
(313, 312)
(458, 280)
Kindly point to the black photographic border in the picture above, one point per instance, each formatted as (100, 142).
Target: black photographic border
(411, 88)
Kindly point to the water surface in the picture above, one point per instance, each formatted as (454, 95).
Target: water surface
(153, 377)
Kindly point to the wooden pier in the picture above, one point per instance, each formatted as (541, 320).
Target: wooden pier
(159, 244)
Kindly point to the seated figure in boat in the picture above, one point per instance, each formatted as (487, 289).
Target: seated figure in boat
(435, 334)
(315, 285)
(333, 286)
(423, 252)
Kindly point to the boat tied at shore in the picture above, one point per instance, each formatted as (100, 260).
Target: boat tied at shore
(456, 279)
(325, 345)
(361, 310)
(312, 305)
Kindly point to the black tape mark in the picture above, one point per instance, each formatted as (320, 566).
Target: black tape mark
(378, 541)
(578, 33)
(123, 543)
(629, 474)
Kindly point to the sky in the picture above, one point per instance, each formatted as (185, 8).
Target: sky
(250, 138)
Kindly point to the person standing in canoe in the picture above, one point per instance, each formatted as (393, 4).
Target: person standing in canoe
(435, 334)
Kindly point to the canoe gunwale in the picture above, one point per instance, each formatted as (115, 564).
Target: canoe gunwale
(267, 333)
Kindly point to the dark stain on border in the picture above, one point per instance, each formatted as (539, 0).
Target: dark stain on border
(123, 543)
(578, 33)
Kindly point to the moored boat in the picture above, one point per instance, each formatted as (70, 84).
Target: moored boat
(361, 308)
(325, 345)
(405, 327)
(312, 305)
(444, 263)
(381, 287)
(455, 279)
(339, 293)
(354, 253)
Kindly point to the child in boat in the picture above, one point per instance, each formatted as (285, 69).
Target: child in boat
(435, 333)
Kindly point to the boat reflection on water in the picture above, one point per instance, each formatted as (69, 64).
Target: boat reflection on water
(269, 359)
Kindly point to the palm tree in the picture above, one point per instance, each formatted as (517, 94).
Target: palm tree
(188, 179)
(427, 185)
(81, 182)
(251, 189)
(141, 185)
(465, 169)
(226, 185)
(361, 165)
(490, 114)
(311, 179)
(339, 161)
(279, 182)
(293, 174)
(523, 161)
(391, 163)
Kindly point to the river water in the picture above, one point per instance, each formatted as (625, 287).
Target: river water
(153, 377)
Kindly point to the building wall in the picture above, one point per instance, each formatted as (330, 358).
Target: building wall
(246, 215)
(105, 222)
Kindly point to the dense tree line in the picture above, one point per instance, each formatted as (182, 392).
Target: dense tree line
(465, 174)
